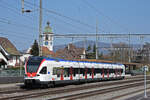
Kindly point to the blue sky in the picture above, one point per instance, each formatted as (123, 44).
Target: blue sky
(113, 16)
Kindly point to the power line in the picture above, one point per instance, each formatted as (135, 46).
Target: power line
(15, 10)
(17, 25)
(22, 37)
(64, 16)
(100, 13)
(16, 34)
(67, 23)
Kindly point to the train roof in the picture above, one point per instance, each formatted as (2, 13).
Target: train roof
(64, 60)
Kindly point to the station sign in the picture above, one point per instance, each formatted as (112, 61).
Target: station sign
(145, 68)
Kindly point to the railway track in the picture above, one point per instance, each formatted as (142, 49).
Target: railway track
(100, 91)
(3, 91)
(127, 94)
(18, 89)
(34, 94)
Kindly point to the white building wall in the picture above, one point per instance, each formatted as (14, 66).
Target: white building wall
(48, 43)
(2, 57)
(25, 57)
(13, 61)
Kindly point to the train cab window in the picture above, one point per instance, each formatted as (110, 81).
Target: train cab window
(43, 70)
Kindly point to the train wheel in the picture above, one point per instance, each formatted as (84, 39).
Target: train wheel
(50, 85)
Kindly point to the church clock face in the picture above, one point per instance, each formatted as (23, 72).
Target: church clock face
(46, 43)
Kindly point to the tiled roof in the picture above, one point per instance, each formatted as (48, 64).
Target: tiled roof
(69, 52)
(46, 52)
(8, 46)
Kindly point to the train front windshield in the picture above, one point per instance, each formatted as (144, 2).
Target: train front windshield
(33, 64)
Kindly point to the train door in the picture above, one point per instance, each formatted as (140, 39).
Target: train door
(43, 74)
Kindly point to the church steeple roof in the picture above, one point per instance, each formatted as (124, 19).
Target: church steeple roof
(48, 29)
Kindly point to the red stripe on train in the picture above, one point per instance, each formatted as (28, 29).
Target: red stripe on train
(71, 77)
(62, 77)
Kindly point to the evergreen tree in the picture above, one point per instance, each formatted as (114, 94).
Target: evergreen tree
(35, 49)
(88, 48)
(94, 49)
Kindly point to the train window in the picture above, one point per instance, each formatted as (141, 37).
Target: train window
(66, 72)
(94, 71)
(76, 70)
(57, 71)
(54, 71)
(73, 71)
(121, 70)
(105, 71)
(98, 70)
(101, 71)
(110, 70)
(81, 70)
(89, 71)
(43, 70)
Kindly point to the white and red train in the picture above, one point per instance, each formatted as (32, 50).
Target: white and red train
(51, 71)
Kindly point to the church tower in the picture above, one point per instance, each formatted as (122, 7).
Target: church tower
(48, 37)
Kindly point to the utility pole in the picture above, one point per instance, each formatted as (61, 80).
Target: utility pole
(40, 29)
(85, 48)
(22, 3)
(96, 39)
(129, 50)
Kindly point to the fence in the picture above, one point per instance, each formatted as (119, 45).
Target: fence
(11, 72)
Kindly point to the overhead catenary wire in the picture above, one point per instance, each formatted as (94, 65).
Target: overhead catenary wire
(15, 10)
(66, 17)
(17, 25)
(60, 20)
(13, 33)
(101, 13)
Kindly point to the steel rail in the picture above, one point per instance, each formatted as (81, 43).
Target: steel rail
(65, 90)
(96, 92)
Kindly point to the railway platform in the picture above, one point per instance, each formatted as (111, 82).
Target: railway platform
(140, 96)
(12, 85)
